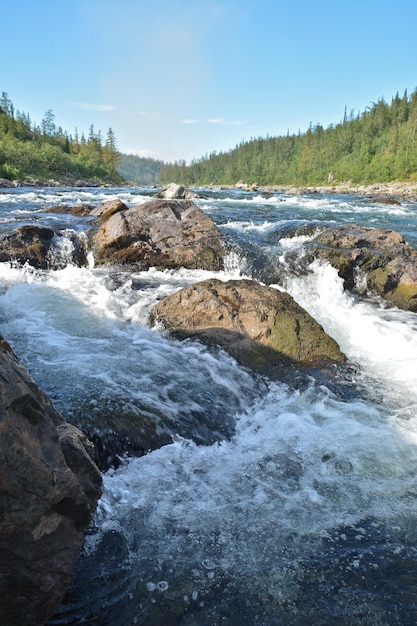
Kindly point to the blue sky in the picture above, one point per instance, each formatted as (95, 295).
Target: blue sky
(179, 79)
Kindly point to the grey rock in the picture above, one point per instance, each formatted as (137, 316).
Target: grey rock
(161, 233)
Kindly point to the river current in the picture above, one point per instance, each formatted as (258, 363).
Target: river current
(302, 508)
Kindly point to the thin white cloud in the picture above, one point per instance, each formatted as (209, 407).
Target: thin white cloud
(148, 154)
(221, 120)
(189, 121)
(94, 107)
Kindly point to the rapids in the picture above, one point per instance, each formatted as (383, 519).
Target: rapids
(275, 503)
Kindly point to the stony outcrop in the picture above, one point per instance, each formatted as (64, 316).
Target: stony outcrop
(27, 244)
(163, 234)
(49, 487)
(177, 192)
(381, 256)
(259, 326)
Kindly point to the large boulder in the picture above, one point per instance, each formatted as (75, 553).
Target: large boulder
(259, 326)
(27, 244)
(381, 256)
(163, 234)
(177, 192)
(49, 487)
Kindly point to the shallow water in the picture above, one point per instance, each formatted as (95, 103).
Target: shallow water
(275, 503)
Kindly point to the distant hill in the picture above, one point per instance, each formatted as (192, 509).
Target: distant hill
(140, 170)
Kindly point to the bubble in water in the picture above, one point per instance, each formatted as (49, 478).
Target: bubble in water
(150, 586)
(162, 585)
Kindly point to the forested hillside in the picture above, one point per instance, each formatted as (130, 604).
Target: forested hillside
(140, 170)
(377, 145)
(30, 152)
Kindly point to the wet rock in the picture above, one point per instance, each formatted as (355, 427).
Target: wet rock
(177, 192)
(49, 487)
(380, 255)
(163, 234)
(27, 244)
(259, 326)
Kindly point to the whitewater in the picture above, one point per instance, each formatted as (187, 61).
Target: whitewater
(274, 502)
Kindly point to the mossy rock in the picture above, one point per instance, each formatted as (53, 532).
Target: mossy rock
(261, 327)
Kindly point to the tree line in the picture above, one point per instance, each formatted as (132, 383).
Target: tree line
(377, 145)
(44, 151)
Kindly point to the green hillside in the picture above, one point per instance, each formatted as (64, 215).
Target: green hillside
(30, 152)
(140, 170)
(378, 145)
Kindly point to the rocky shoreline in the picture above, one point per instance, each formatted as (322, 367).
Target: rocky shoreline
(391, 191)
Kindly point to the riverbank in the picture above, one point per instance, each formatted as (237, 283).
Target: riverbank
(391, 191)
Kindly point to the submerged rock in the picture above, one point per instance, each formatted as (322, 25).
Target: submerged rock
(259, 326)
(49, 487)
(163, 234)
(380, 255)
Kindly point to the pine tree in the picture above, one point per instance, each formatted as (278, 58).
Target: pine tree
(111, 153)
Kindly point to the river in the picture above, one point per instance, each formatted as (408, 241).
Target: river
(301, 507)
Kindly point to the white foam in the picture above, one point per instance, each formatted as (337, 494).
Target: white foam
(381, 340)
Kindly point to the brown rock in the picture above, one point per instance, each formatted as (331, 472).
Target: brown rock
(49, 487)
(381, 255)
(259, 326)
(79, 209)
(161, 233)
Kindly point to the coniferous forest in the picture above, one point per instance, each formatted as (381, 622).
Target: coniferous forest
(378, 145)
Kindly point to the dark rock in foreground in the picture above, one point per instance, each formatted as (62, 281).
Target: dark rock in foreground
(49, 487)
(380, 255)
(259, 326)
(27, 244)
(41, 247)
(163, 234)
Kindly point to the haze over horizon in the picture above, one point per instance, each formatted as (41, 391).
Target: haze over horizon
(178, 80)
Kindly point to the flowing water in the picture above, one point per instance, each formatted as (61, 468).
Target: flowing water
(273, 503)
